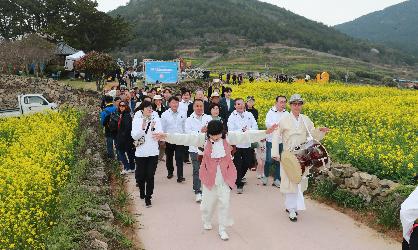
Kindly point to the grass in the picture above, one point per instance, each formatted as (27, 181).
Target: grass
(79, 84)
(382, 214)
(75, 216)
(67, 234)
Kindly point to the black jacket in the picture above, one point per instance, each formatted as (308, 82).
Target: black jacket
(124, 139)
(160, 112)
(210, 91)
(224, 106)
(254, 112)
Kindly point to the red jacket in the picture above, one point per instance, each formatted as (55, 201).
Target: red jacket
(208, 168)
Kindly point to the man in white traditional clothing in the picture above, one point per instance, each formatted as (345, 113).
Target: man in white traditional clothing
(409, 219)
(294, 129)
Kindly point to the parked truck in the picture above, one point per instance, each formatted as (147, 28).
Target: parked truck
(27, 104)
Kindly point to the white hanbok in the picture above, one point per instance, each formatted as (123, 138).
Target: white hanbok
(409, 214)
(293, 131)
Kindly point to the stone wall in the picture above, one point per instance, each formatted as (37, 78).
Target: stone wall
(365, 185)
(11, 86)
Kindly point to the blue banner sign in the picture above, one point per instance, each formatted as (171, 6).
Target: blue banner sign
(164, 72)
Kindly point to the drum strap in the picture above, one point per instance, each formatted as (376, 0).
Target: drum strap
(309, 132)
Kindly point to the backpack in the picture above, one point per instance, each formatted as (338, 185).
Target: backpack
(112, 125)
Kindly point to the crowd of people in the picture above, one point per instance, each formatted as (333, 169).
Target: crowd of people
(219, 135)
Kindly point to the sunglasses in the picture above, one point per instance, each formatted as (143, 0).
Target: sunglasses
(297, 103)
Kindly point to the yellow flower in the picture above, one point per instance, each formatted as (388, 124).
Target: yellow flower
(34, 153)
(373, 127)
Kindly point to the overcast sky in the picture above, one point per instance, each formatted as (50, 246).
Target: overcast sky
(330, 12)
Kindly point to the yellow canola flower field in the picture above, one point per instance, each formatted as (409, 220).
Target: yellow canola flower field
(35, 155)
(373, 128)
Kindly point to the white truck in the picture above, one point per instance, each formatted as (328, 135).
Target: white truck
(31, 103)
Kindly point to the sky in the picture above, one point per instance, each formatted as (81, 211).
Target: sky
(329, 12)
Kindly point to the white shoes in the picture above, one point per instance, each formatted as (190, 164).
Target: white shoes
(124, 172)
(132, 171)
(223, 234)
(264, 180)
(240, 190)
(259, 176)
(207, 226)
(198, 198)
(276, 183)
(293, 216)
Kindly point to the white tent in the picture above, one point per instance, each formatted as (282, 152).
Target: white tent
(69, 60)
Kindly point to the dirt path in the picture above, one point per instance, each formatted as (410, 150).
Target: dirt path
(173, 222)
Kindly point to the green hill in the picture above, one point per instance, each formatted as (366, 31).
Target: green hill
(395, 26)
(162, 27)
(298, 62)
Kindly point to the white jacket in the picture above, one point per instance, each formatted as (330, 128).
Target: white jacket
(409, 213)
(184, 106)
(150, 147)
(274, 116)
(172, 123)
(194, 125)
(237, 122)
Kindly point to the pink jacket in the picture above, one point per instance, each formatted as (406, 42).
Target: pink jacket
(207, 172)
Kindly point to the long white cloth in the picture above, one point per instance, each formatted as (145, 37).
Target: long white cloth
(409, 213)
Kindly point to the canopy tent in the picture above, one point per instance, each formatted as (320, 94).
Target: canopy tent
(69, 60)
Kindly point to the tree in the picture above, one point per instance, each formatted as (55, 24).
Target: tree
(98, 65)
(31, 49)
(103, 33)
(79, 23)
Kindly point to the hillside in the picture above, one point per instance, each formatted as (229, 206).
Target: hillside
(395, 26)
(161, 27)
(276, 58)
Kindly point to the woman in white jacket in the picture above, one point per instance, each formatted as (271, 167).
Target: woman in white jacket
(143, 126)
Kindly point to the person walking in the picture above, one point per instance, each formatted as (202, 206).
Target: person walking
(173, 121)
(274, 115)
(217, 171)
(294, 129)
(241, 120)
(143, 126)
(124, 141)
(109, 118)
(196, 123)
(227, 103)
(160, 109)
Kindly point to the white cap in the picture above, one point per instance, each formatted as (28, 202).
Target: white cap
(112, 93)
(296, 98)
